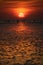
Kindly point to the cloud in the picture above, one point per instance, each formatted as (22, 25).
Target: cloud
(24, 3)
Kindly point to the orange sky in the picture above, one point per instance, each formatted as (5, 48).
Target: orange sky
(29, 1)
(14, 3)
(7, 7)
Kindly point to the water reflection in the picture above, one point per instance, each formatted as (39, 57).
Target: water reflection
(18, 48)
(20, 27)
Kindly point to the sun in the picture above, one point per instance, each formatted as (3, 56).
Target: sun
(21, 14)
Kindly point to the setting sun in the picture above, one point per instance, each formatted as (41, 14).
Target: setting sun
(21, 14)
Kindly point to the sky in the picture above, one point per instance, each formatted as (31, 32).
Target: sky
(11, 8)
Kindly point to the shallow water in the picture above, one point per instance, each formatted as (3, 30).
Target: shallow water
(21, 42)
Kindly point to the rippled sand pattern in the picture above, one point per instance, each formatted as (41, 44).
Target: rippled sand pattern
(20, 47)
